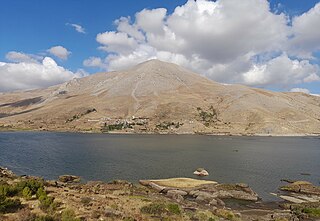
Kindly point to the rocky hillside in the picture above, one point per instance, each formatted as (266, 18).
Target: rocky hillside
(159, 97)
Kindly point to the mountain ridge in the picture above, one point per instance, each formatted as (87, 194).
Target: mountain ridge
(160, 97)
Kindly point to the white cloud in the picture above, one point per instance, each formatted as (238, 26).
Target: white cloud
(77, 27)
(22, 57)
(151, 21)
(223, 30)
(94, 62)
(303, 90)
(306, 33)
(123, 25)
(223, 40)
(281, 70)
(139, 55)
(59, 52)
(26, 75)
(118, 42)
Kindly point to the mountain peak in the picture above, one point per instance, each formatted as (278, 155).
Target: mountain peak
(155, 64)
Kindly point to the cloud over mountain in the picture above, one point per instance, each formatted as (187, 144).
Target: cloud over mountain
(224, 40)
(26, 72)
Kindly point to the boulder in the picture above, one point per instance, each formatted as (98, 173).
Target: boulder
(213, 202)
(177, 195)
(224, 194)
(5, 172)
(156, 187)
(144, 182)
(220, 202)
(237, 191)
(242, 195)
(242, 185)
(109, 212)
(194, 193)
(69, 179)
(176, 192)
(166, 189)
(201, 172)
(177, 198)
(205, 197)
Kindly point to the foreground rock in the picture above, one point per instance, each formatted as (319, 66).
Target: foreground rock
(180, 199)
(5, 172)
(300, 192)
(201, 191)
(302, 187)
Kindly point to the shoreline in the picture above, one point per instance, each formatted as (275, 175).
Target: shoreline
(178, 134)
(173, 199)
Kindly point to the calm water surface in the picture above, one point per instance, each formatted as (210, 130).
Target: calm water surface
(259, 161)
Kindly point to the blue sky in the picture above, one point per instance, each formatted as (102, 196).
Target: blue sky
(33, 27)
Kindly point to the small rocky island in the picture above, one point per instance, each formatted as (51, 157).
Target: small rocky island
(27, 198)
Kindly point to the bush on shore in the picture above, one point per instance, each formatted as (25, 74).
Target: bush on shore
(9, 205)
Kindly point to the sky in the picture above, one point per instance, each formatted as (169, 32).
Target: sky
(267, 44)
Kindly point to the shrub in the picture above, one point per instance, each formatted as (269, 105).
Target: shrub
(45, 202)
(7, 190)
(68, 215)
(26, 193)
(154, 209)
(90, 111)
(44, 218)
(9, 205)
(40, 192)
(32, 184)
(85, 200)
(3, 190)
(209, 116)
(227, 214)
(166, 125)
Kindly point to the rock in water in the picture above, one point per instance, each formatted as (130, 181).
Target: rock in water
(201, 172)
(302, 187)
(69, 179)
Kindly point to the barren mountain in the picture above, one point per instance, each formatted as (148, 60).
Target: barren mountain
(159, 97)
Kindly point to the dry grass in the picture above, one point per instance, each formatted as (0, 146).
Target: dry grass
(182, 182)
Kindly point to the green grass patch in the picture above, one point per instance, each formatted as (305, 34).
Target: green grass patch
(161, 208)
(315, 212)
(174, 208)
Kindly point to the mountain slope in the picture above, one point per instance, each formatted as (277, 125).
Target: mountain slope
(160, 97)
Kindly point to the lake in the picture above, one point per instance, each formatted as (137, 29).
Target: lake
(259, 161)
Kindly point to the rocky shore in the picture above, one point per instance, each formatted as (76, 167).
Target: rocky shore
(26, 198)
